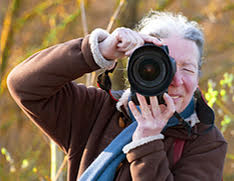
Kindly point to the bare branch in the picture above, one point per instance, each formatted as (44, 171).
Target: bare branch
(161, 5)
(7, 36)
(83, 17)
(51, 37)
(61, 168)
(39, 8)
(114, 16)
(85, 30)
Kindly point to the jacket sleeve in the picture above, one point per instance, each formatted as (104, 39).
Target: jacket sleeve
(42, 87)
(202, 159)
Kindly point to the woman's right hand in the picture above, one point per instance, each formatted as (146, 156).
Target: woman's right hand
(123, 41)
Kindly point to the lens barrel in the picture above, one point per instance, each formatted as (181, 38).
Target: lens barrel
(150, 70)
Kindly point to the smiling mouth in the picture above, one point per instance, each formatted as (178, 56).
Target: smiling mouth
(175, 97)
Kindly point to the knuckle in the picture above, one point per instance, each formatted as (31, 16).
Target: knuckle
(128, 41)
(128, 29)
(134, 43)
(141, 42)
(119, 29)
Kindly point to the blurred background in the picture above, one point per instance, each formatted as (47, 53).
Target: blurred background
(27, 26)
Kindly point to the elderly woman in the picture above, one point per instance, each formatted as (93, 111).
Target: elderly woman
(107, 139)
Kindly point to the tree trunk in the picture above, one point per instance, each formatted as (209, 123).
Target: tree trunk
(128, 18)
(57, 158)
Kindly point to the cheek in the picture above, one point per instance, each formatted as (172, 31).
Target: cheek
(190, 83)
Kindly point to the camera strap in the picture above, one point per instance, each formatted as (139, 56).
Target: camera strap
(104, 81)
(186, 125)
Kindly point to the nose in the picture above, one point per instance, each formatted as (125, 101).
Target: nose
(177, 79)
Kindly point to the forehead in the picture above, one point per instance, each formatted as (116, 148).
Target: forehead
(182, 50)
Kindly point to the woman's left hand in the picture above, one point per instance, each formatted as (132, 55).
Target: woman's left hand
(152, 118)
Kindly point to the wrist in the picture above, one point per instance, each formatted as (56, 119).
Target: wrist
(141, 133)
(142, 141)
(105, 54)
(96, 37)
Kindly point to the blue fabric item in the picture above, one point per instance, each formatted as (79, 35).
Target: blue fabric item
(173, 121)
(104, 166)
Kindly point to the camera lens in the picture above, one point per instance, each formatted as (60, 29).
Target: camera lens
(149, 70)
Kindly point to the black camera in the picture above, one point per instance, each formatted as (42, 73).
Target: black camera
(150, 71)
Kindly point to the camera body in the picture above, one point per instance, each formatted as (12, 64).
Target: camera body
(150, 71)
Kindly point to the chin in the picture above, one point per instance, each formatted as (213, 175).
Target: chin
(179, 108)
(178, 105)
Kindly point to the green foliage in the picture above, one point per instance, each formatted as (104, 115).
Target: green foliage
(227, 80)
(225, 122)
(20, 169)
(9, 159)
(211, 95)
(52, 35)
(224, 92)
(37, 10)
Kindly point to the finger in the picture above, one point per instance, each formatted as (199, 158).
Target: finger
(151, 39)
(154, 105)
(140, 40)
(145, 110)
(169, 111)
(138, 43)
(135, 111)
(162, 107)
(129, 43)
(123, 35)
(135, 42)
(128, 53)
(120, 35)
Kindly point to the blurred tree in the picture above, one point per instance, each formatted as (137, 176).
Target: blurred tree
(7, 36)
(28, 26)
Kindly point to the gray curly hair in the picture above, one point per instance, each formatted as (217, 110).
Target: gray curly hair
(166, 24)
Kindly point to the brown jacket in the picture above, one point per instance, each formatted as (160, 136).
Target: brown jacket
(83, 121)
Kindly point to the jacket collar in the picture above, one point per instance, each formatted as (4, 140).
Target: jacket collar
(205, 113)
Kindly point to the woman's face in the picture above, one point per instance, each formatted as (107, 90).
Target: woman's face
(185, 81)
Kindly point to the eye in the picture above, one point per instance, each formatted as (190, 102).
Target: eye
(189, 70)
